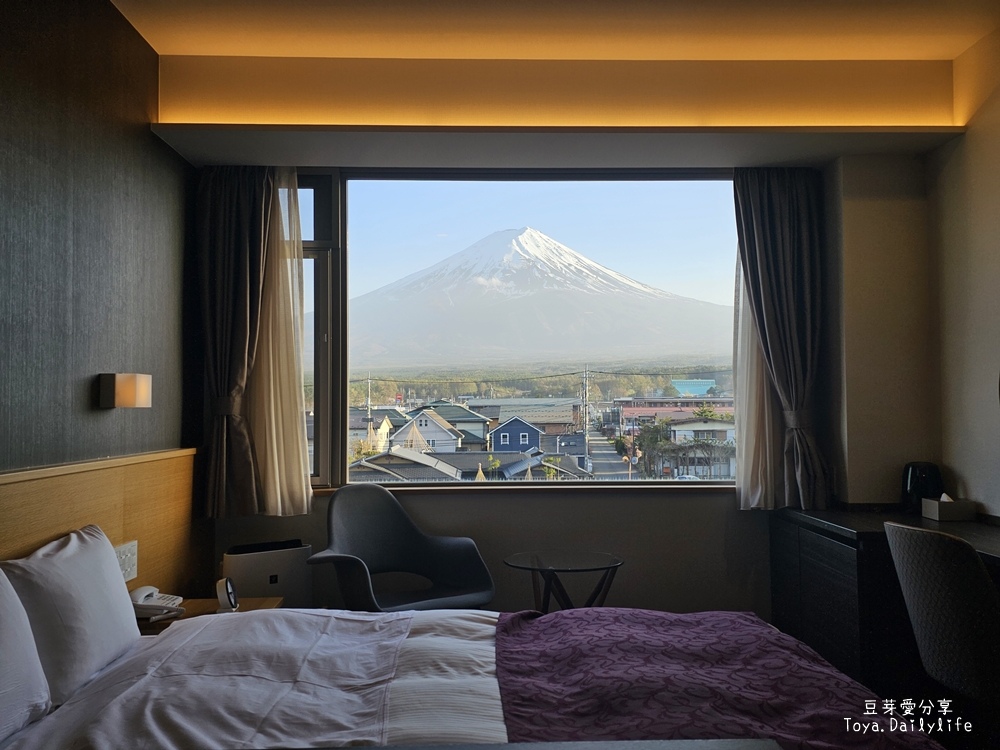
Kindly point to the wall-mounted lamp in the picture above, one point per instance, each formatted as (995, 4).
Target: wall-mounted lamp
(128, 390)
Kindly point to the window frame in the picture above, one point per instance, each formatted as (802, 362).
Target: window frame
(330, 251)
(326, 251)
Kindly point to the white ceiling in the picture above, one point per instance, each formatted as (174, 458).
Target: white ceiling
(567, 29)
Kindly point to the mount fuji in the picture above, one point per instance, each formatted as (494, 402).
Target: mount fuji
(520, 296)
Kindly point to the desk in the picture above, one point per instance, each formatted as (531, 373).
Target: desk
(834, 586)
(549, 564)
(861, 525)
(198, 607)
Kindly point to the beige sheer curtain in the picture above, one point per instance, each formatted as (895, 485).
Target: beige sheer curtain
(276, 409)
(759, 435)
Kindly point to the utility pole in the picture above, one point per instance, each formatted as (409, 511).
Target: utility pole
(586, 411)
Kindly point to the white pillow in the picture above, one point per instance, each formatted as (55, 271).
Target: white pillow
(78, 605)
(24, 693)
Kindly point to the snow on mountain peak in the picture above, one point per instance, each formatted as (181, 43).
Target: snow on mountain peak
(520, 296)
(516, 263)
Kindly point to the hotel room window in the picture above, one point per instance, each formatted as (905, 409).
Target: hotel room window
(597, 310)
(317, 224)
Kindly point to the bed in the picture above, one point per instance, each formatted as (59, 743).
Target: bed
(77, 674)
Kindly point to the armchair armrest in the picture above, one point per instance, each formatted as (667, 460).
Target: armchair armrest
(353, 578)
(459, 562)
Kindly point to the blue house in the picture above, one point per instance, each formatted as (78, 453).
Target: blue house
(515, 435)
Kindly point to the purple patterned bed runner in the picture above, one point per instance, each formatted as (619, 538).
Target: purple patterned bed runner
(627, 674)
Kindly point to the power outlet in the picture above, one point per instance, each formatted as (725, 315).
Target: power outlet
(128, 559)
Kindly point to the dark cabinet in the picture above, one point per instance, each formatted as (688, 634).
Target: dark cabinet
(835, 588)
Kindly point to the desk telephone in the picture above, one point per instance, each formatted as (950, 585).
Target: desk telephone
(151, 605)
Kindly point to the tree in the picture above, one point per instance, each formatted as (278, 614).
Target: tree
(492, 464)
(654, 440)
(358, 449)
(714, 451)
(707, 411)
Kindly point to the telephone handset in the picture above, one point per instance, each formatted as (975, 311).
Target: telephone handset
(150, 604)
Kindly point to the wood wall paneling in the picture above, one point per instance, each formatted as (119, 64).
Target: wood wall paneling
(145, 497)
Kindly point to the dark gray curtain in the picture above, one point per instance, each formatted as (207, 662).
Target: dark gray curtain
(779, 225)
(232, 212)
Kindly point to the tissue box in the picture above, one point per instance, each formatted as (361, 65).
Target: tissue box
(957, 510)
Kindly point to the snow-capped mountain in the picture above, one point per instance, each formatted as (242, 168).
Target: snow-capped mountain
(521, 295)
(517, 263)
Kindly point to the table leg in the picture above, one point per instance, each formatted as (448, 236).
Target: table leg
(536, 588)
(554, 587)
(600, 592)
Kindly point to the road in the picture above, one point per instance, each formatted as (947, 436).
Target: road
(608, 465)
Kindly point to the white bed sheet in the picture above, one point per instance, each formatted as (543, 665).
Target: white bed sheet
(446, 689)
(294, 678)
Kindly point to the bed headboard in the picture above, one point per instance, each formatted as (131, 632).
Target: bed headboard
(147, 497)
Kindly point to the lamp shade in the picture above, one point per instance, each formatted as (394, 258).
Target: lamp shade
(127, 390)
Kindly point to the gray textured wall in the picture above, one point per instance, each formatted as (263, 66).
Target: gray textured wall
(92, 234)
(686, 549)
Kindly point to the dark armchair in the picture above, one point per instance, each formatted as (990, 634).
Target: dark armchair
(370, 533)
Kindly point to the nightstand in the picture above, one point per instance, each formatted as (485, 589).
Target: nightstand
(197, 607)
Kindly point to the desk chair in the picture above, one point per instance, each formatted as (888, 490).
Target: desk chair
(954, 608)
(370, 533)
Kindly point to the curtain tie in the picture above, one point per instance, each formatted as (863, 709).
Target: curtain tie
(229, 406)
(797, 420)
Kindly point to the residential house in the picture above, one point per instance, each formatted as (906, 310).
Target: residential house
(629, 414)
(553, 416)
(428, 431)
(473, 426)
(711, 455)
(515, 435)
(396, 416)
(110, 109)
(374, 431)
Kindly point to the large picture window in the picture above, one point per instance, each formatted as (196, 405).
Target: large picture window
(517, 327)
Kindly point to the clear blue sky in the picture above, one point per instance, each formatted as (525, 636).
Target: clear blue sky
(678, 236)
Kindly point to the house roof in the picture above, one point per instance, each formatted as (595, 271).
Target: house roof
(514, 419)
(481, 403)
(539, 415)
(360, 421)
(673, 413)
(469, 438)
(566, 464)
(469, 460)
(435, 417)
(450, 412)
(412, 426)
(410, 436)
(404, 464)
(370, 470)
(396, 417)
